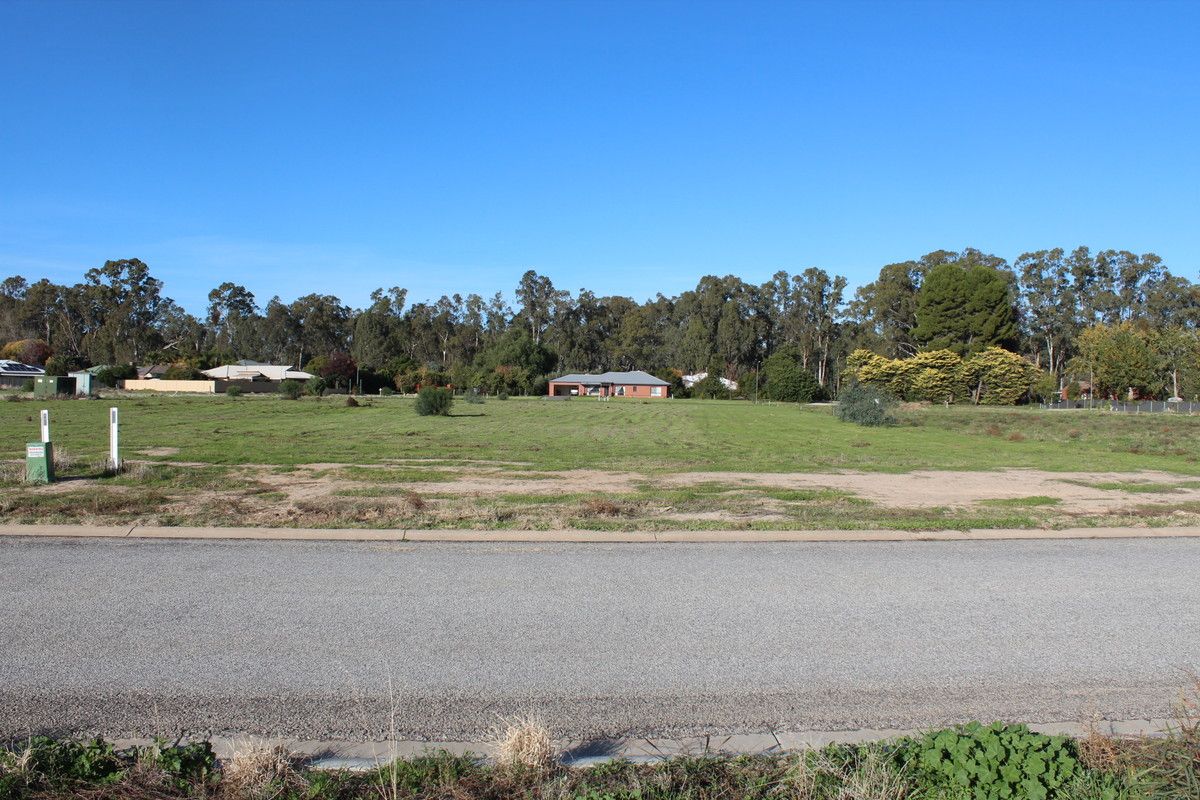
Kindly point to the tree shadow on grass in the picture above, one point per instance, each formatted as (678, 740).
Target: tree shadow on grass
(480, 414)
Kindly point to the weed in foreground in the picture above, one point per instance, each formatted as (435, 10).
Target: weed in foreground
(258, 772)
(524, 742)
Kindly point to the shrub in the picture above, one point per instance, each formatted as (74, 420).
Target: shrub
(474, 398)
(710, 388)
(27, 351)
(434, 401)
(351, 402)
(291, 389)
(234, 391)
(109, 376)
(182, 371)
(387, 391)
(788, 381)
(997, 377)
(865, 405)
(27, 386)
(502, 396)
(58, 365)
(315, 386)
(994, 762)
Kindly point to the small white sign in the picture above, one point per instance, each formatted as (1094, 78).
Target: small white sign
(35, 451)
(114, 448)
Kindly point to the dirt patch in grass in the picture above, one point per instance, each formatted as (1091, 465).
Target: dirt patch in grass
(487, 496)
(929, 488)
(159, 452)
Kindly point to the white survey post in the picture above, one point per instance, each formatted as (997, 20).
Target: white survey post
(114, 453)
(45, 425)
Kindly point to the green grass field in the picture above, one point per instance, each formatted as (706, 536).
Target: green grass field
(676, 435)
(507, 464)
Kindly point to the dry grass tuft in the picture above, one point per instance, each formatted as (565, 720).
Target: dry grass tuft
(1099, 752)
(138, 470)
(255, 772)
(12, 472)
(603, 507)
(524, 742)
(1016, 436)
(63, 461)
(414, 501)
(993, 430)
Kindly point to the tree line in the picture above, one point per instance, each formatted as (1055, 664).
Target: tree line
(1110, 319)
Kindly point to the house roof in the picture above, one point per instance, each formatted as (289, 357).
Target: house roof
(17, 368)
(634, 378)
(248, 372)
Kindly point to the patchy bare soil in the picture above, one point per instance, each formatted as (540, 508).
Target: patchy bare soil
(925, 488)
(920, 489)
(428, 493)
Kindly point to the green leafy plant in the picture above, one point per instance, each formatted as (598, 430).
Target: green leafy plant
(865, 405)
(434, 401)
(63, 761)
(994, 762)
(291, 389)
(234, 391)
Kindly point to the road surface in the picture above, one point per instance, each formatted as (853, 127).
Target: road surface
(344, 640)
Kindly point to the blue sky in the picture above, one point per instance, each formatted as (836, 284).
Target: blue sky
(624, 147)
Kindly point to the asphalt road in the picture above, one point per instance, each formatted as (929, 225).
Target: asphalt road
(337, 640)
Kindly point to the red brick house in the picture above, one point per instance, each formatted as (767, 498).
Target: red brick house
(610, 384)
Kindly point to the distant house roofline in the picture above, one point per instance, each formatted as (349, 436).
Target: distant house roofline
(633, 378)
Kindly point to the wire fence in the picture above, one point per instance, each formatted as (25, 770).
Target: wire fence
(1129, 407)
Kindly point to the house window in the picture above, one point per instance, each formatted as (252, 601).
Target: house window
(656, 391)
(620, 391)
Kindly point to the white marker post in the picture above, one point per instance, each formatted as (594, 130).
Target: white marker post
(114, 452)
(45, 425)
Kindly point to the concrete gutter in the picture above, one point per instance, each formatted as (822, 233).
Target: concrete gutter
(364, 755)
(584, 536)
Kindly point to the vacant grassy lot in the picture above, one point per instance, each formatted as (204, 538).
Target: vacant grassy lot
(679, 435)
(583, 463)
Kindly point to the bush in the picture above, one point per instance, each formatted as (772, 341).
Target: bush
(315, 386)
(502, 396)
(433, 401)
(474, 398)
(234, 391)
(27, 386)
(710, 388)
(387, 391)
(110, 376)
(291, 389)
(58, 365)
(997, 377)
(865, 405)
(993, 762)
(182, 371)
(787, 381)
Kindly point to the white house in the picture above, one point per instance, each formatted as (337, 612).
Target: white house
(254, 371)
(691, 380)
